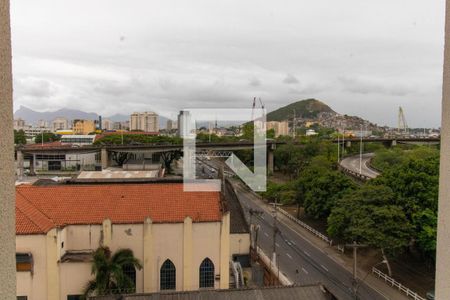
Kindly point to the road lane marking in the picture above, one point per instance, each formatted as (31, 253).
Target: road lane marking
(304, 271)
(307, 253)
(289, 255)
(277, 244)
(265, 233)
(324, 268)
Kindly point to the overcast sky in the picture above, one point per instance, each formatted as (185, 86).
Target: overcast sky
(360, 57)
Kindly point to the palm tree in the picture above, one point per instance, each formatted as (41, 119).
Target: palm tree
(108, 270)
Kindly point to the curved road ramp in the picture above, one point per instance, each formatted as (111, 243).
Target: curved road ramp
(359, 167)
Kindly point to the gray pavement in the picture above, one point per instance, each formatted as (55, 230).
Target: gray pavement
(298, 259)
(352, 163)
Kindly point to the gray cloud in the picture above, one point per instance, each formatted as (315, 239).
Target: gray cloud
(178, 55)
(290, 79)
(370, 86)
(254, 82)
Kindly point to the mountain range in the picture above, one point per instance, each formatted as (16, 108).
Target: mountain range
(32, 117)
(304, 112)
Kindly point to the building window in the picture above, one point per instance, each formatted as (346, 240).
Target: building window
(24, 262)
(74, 297)
(130, 272)
(22, 297)
(206, 274)
(168, 276)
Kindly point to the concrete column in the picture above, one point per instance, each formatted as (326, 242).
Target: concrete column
(7, 172)
(104, 158)
(394, 143)
(187, 255)
(149, 280)
(442, 285)
(270, 161)
(225, 252)
(20, 164)
(52, 266)
(348, 144)
(107, 233)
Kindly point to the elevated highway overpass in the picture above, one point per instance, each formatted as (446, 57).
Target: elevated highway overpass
(31, 151)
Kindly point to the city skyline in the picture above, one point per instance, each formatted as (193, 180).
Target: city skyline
(169, 56)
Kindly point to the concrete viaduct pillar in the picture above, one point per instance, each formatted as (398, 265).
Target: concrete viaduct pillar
(20, 164)
(270, 159)
(348, 144)
(104, 157)
(7, 170)
(442, 286)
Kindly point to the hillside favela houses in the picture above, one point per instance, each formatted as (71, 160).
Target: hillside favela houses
(183, 241)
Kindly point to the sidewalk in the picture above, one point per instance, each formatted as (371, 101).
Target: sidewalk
(332, 252)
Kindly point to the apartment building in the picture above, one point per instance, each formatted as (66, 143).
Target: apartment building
(60, 124)
(83, 127)
(145, 121)
(280, 128)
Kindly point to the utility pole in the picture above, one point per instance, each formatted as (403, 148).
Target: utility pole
(252, 212)
(275, 231)
(355, 247)
(343, 143)
(339, 148)
(294, 125)
(360, 151)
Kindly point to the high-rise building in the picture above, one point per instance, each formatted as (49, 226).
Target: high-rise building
(60, 124)
(19, 124)
(184, 117)
(145, 121)
(83, 127)
(107, 124)
(171, 125)
(42, 123)
(280, 128)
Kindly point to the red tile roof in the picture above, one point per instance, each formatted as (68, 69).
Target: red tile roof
(48, 145)
(40, 208)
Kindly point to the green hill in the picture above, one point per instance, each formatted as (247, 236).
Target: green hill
(308, 108)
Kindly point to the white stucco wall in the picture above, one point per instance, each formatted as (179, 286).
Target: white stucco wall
(167, 244)
(33, 285)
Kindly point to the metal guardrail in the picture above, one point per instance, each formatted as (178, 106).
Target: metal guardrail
(354, 174)
(307, 227)
(397, 285)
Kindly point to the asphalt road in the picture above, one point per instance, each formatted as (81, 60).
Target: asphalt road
(298, 259)
(353, 163)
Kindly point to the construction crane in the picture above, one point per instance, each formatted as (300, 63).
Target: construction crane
(402, 125)
(254, 107)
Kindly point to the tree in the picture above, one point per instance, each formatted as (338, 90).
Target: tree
(47, 137)
(425, 223)
(370, 216)
(168, 157)
(108, 270)
(19, 137)
(321, 188)
(120, 157)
